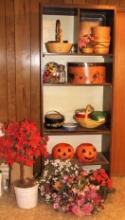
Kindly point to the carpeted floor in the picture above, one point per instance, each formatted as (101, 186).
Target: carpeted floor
(114, 208)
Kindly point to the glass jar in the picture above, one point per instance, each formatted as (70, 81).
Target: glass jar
(62, 74)
(51, 73)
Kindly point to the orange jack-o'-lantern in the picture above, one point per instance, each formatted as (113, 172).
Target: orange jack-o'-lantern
(86, 152)
(63, 151)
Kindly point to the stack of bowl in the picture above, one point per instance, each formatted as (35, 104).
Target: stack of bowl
(101, 36)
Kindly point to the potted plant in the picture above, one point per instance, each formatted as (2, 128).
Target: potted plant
(22, 143)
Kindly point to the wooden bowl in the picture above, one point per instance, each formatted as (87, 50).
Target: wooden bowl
(58, 47)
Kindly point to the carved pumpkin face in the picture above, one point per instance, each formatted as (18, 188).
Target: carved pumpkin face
(63, 151)
(86, 152)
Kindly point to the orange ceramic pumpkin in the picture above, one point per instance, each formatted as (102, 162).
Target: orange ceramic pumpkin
(63, 151)
(86, 152)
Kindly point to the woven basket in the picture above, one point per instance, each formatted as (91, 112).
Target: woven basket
(58, 47)
(88, 50)
(101, 32)
(88, 123)
(101, 50)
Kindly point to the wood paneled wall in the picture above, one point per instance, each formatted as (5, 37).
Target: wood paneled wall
(22, 58)
(7, 62)
(20, 61)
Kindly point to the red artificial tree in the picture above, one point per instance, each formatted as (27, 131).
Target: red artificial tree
(22, 143)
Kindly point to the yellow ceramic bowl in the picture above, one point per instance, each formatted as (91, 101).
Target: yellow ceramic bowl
(88, 122)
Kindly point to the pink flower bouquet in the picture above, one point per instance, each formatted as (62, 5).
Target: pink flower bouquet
(69, 188)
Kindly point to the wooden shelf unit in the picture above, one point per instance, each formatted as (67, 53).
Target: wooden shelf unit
(78, 13)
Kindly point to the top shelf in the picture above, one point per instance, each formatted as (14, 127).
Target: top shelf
(74, 11)
(81, 21)
(78, 54)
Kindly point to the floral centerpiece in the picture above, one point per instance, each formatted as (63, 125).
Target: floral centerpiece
(69, 188)
(22, 143)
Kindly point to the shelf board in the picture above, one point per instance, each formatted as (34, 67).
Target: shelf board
(57, 10)
(102, 130)
(69, 84)
(77, 54)
(100, 160)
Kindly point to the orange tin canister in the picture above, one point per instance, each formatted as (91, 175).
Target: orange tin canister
(86, 73)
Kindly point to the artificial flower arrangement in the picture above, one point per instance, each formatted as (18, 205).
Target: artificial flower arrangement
(69, 188)
(86, 41)
(22, 144)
